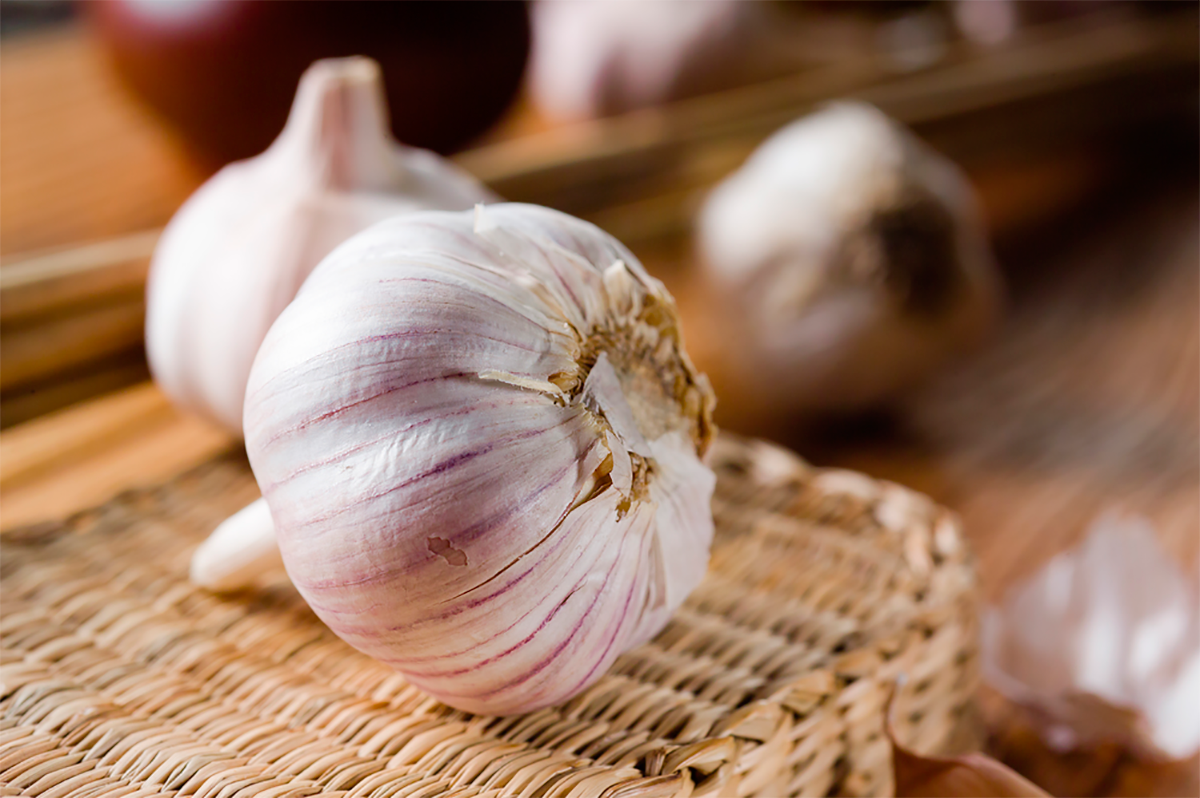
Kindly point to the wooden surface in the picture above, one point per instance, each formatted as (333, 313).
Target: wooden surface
(85, 455)
(71, 179)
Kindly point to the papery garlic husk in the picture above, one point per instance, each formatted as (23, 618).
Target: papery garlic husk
(964, 776)
(240, 247)
(968, 774)
(1102, 645)
(481, 442)
(848, 261)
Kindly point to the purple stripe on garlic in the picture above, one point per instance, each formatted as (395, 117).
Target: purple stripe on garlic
(481, 442)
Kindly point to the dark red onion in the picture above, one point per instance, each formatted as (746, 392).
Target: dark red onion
(223, 72)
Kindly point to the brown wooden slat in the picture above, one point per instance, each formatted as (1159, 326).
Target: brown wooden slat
(84, 455)
(95, 378)
(49, 283)
(36, 351)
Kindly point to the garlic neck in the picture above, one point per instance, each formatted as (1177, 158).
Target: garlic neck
(338, 128)
(662, 388)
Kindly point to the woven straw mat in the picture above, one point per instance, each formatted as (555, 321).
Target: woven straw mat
(120, 678)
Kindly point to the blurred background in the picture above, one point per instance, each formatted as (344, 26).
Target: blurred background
(1075, 123)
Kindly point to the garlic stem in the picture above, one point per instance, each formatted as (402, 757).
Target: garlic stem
(339, 127)
(241, 548)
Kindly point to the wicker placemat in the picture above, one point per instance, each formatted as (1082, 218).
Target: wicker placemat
(120, 678)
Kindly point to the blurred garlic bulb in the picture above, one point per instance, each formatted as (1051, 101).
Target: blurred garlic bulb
(481, 443)
(237, 251)
(850, 261)
(597, 57)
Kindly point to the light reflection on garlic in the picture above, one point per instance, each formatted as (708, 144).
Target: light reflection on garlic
(1103, 644)
(238, 250)
(849, 260)
(481, 442)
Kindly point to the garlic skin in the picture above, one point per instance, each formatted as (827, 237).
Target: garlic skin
(481, 442)
(596, 57)
(1102, 644)
(237, 251)
(850, 261)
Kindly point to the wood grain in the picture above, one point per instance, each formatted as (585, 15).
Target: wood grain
(93, 379)
(82, 456)
(81, 161)
(49, 283)
(41, 350)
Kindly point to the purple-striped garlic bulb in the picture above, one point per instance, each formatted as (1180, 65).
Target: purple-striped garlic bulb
(238, 250)
(481, 442)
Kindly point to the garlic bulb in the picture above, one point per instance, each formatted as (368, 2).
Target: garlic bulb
(481, 443)
(237, 251)
(592, 58)
(850, 261)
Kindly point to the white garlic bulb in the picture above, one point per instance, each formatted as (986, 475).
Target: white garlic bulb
(238, 250)
(596, 57)
(481, 442)
(849, 258)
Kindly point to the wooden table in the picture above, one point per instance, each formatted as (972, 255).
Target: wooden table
(1087, 400)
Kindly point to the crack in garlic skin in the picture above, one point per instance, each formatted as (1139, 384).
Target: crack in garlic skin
(513, 387)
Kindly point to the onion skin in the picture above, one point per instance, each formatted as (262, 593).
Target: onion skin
(222, 72)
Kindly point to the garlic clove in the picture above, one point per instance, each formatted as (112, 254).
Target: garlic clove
(241, 549)
(1103, 645)
(481, 443)
(849, 261)
(238, 250)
